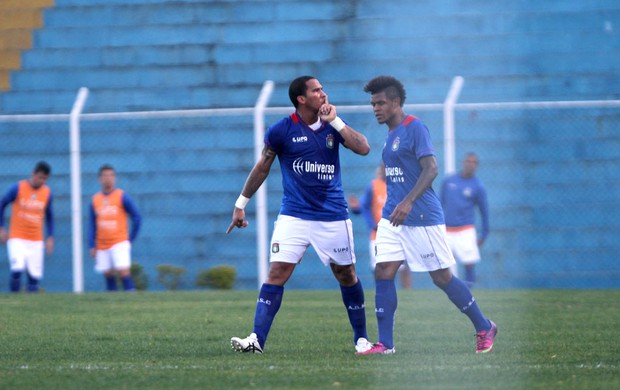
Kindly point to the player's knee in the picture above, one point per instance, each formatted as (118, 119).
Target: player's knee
(386, 270)
(279, 273)
(345, 275)
(124, 272)
(441, 277)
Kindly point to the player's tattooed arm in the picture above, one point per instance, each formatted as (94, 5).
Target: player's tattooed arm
(252, 184)
(268, 153)
(355, 141)
(259, 172)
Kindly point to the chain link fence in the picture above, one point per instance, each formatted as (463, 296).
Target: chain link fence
(551, 174)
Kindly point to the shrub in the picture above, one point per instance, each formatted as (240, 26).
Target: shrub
(170, 275)
(220, 277)
(140, 279)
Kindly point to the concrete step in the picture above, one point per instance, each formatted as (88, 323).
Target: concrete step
(20, 38)
(188, 13)
(25, 4)
(20, 18)
(10, 59)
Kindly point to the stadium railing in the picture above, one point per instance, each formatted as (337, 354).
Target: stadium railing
(483, 130)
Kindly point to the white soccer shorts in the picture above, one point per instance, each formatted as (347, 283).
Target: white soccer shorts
(26, 255)
(464, 245)
(116, 257)
(371, 253)
(423, 248)
(332, 241)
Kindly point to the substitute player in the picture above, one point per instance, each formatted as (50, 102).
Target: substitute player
(109, 238)
(32, 205)
(313, 211)
(412, 226)
(461, 193)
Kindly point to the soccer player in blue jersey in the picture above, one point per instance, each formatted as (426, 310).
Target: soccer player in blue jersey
(412, 225)
(461, 193)
(313, 210)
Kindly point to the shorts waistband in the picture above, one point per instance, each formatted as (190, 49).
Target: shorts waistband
(456, 229)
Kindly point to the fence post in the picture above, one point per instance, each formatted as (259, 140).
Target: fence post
(261, 194)
(76, 190)
(448, 124)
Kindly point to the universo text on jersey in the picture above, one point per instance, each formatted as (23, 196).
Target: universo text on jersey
(395, 174)
(323, 171)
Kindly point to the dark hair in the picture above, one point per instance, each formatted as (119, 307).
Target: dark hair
(390, 85)
(298, 87)
(105, 167)
(43, 167)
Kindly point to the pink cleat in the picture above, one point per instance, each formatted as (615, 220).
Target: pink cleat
(485, 339)
(378, 348)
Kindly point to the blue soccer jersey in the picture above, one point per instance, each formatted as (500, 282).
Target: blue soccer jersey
(404, 147)
(310, 166)
(459, 197)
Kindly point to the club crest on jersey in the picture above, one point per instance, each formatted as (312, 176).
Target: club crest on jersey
(395, 144)
(329, 141)
(275, 247)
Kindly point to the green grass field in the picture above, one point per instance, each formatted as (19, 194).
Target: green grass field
(551, 339)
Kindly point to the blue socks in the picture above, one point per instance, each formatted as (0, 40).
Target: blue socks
(270, 299)
(470, 276)
(461, 296)
(15, 281)
(353, 299)
(386, 302)
(267, 306)
(33, 284)
(128, 283)
(110, 283)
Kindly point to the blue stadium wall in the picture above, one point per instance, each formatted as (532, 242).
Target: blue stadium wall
(552, 177)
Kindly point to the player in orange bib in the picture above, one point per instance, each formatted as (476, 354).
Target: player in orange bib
(371, 207)
(109, 237)
(32, 205)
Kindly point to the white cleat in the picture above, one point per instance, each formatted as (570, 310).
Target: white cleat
(362, 345)
(249, 344)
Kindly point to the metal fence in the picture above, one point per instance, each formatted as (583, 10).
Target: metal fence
(551, 170)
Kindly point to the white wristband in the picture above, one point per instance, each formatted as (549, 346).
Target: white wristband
(337, 124)
(241, 202)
